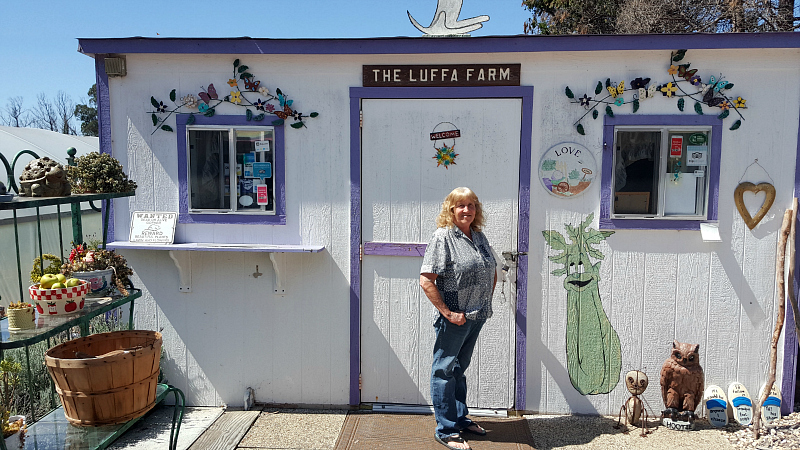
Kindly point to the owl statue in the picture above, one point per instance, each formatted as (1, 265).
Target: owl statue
(682, 381)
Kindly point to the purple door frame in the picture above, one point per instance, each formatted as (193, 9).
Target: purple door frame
(356, 95)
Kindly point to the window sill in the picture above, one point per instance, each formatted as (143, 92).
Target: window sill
(233, 218)
(183, 262)
(650, 224)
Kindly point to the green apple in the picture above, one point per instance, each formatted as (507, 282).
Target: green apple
(72, 282)
(58, 286)
(47, 280)
(61, 278)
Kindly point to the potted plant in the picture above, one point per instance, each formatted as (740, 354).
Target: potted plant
(13, 426)
(98, 172)
(103, 269)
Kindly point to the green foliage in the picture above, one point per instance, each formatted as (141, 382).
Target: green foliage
(609, 111)
(574, 174)
(698, 108)
(598, 89)
(569, 93)
(53, 267)
(635, 105)
(624, 17)
(549, 164)
(98, 172)
(580, 129)
(681, 104)
(87, 114)
(723, 114)
(736, 125)
(594, 114)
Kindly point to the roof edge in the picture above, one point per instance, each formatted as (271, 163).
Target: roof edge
(401, 45)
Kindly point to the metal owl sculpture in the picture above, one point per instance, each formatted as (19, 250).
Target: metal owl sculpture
(682, 382)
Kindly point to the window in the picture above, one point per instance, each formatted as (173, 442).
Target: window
(660, 171)
(230, 171)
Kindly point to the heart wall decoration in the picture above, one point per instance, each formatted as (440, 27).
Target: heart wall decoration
(738, 198)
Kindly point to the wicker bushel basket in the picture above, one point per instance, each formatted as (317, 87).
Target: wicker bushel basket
(106, 378)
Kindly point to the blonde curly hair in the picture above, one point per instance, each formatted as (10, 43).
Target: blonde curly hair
(446, 216)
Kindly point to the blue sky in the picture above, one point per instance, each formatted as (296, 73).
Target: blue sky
(39, 37)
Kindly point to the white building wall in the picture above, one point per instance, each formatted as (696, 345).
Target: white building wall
(231, 332)
(657, 285)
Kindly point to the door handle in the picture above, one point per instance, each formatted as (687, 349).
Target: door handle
(512, 256)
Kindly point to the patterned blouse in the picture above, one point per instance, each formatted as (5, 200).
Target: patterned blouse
(465, 270)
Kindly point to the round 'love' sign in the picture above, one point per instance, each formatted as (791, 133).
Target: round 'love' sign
(567, 169)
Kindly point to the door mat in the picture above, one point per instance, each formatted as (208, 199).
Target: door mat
(367, 431)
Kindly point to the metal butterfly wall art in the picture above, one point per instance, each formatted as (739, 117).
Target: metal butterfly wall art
(209, 94)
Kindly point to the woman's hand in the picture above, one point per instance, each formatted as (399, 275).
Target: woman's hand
(456, 318)
(426, 281)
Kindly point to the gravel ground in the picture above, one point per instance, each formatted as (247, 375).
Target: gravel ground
(598, 432)
(781, 434)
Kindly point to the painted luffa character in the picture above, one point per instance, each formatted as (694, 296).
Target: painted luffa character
(594, 357)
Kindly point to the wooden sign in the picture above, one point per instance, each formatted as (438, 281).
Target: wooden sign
(153, 227)
(441, 75)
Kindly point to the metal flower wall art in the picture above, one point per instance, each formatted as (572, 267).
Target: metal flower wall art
(686, 83)
(208, 99)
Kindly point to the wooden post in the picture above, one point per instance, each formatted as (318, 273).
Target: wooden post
(776, 334)
(792, 298)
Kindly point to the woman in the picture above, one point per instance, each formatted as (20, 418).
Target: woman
(458, 276)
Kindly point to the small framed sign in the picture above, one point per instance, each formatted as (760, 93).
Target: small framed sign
(153, 227)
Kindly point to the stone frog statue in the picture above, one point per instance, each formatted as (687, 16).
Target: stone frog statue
(44, 177)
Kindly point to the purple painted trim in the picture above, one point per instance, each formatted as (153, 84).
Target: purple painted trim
(606, 185)
(104, 128)
(404, 45)
(355, 244)
(184, 216)
(394, 249)
(789, 387)
(523, 244)
(523, 92)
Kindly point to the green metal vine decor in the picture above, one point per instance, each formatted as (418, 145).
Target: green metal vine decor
(209, 99)
(712, 93)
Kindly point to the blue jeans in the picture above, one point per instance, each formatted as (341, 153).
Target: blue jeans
(452, 353)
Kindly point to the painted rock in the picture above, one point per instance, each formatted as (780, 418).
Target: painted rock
(740, 406)
(717, 405)
(771, 409)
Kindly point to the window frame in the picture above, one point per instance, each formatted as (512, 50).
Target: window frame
(185, 215)
(610, 124)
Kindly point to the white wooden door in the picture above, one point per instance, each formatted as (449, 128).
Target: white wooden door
(402, 192)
